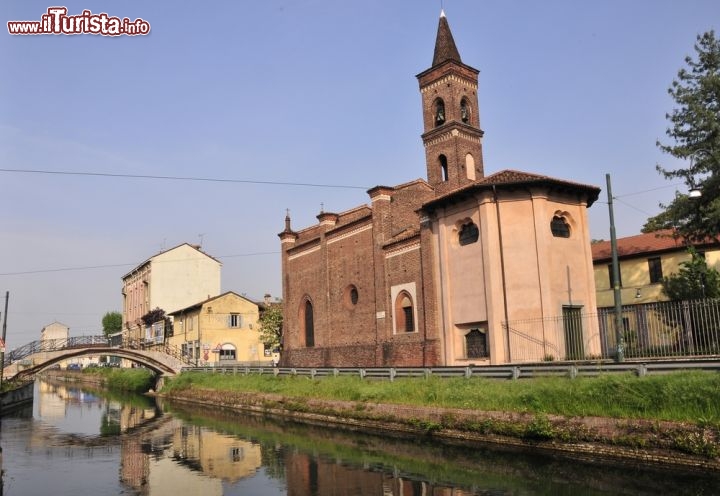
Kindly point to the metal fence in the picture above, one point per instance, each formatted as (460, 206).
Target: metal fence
(54, 345)
(89, 342)
(570, 370)
(651, 330)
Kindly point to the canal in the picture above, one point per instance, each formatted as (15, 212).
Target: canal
(76, 441)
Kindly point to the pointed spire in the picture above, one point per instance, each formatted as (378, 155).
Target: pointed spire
(445, 48)
(287, 220)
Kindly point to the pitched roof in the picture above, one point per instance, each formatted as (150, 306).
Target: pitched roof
(445, 48)
(195, 247)
(643, 244)
(208, 300)
(511, 177)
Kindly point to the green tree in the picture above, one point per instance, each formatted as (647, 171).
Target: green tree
(158, 315)
(271, 323)
(695, 132)
(694, 280)
(112, 323)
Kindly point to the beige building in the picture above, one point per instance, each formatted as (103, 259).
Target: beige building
(171, 280)
(644, 260)
(56, 330)
(220, 330)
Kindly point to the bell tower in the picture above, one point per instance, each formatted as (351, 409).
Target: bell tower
(452, 134)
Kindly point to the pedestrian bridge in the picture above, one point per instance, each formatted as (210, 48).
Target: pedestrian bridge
(26, 361)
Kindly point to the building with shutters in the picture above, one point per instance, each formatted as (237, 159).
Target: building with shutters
(222, 330)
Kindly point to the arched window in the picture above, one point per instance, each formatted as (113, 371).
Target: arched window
(227, 352)
(560, 227)
(470, 166)
(443, 167)
(476, 344)
(439, 112)
(404, 313)
(464, 111)
(307, 322)
(469, 233)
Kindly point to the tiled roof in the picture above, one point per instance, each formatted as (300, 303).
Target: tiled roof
(513, 177)
(445, 48)
(642, 244)
(509, 176)
(208, 300)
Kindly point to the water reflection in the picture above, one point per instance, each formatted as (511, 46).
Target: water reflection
(318, 461)
(83, 441)
(177, 458)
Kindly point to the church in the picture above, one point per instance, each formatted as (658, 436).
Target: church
(450, 269)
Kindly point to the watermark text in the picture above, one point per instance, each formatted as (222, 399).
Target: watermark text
(57, 21)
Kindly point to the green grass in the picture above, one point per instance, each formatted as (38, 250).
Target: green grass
(136, 380)
(682, 396)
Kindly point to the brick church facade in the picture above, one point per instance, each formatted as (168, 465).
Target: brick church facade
(434, 271)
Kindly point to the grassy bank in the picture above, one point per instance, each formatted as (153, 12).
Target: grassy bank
(135, 380)
(685, 397)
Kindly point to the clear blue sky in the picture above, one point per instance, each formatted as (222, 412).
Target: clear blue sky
(308, 91)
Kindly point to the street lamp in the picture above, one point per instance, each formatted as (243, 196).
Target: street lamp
(695, 191)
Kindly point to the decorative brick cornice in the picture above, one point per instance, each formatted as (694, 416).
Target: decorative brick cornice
(302, 253)
(287, 237)
(446, 79)
(346, 234)
(380, 193)
(303, 249)
(401, 250)
(327, 219)
(450, 134)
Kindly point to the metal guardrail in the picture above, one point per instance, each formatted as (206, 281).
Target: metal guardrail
(570, 370)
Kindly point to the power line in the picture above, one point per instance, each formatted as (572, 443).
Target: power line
(181, 178)
(91, 267)
(63, 269)
(648, 190)
(634, 207)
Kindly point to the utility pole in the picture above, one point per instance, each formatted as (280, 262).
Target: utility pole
(619, 340)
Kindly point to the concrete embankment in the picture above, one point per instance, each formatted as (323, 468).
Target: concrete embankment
(18, 396)
(680, 446)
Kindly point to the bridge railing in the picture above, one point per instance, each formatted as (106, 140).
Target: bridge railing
(54, 345)
(89, 341)
(139, 344)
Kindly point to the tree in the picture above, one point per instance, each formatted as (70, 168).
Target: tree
(112, 323)
(158, 315)
(694, 280)
(695, 130)
(271, 322)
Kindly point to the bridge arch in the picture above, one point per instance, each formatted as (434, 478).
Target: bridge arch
(26, 365)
